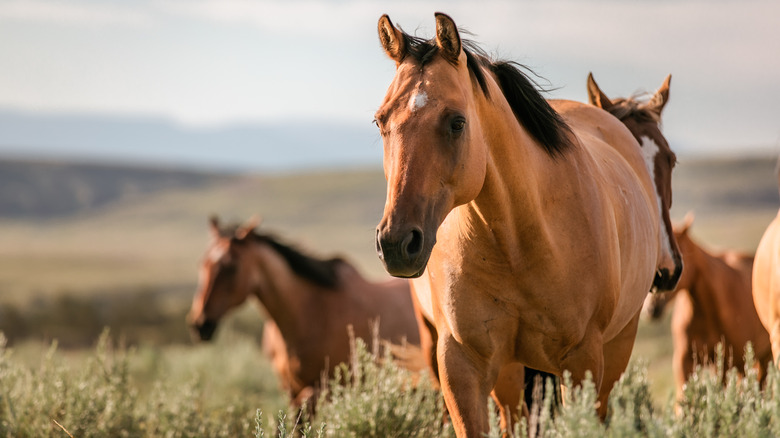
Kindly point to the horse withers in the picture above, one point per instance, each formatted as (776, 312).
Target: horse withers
(713, 304)
(643, 119)
(310, 302)
(531, 228)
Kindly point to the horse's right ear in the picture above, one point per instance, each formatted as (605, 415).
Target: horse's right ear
(392, 39)
(597, 97)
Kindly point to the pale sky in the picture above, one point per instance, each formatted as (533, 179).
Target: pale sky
(206, 63)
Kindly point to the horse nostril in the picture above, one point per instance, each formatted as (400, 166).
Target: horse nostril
(413, 244)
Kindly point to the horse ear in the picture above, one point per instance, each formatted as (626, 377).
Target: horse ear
(597, 97)
(659, 99)
(447, 37)
(392, 39)
(687, 222)
(248, 227)
(214, 225)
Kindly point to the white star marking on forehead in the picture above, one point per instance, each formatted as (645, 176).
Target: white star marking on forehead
(418, 99)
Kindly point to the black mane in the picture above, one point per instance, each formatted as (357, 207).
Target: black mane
(529, 106)
(322, 272)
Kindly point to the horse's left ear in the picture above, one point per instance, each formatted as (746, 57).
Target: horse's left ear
(248, 227)
(597, 97)
(447, 37)
(659, 99)
(687, 222)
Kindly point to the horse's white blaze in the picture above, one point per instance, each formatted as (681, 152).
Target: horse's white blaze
(418, 99)
(649, 151)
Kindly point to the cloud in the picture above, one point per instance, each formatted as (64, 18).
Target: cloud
(72, 13)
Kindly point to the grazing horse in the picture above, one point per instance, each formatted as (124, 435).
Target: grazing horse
(643, 119)
(713, 304)
(310, 302)
(530, 228)
(766, 284)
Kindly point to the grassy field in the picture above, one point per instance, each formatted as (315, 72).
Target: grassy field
(130, 264)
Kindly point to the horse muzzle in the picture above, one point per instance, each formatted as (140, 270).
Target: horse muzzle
(405, 254)
(204, 330)
(665, 281)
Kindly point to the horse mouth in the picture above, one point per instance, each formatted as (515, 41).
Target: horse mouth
(205, 330)
(664, 281)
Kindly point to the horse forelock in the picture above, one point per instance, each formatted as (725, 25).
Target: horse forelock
(522, 93)
(631, 107)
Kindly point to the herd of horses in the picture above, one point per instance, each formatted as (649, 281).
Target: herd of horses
(528, 235)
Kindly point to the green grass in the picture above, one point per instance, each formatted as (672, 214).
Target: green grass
(223, 390)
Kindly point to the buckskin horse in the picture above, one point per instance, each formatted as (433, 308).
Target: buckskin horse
(643, 119)
(310, 302)
(713, 304)
(531, 229)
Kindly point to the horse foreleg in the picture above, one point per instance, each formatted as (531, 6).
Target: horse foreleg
(587, 357)
(509, 394)
(617, 353)
(466, 380)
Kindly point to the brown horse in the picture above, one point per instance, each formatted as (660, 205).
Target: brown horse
(310, 302)
(766, 284)
(531, 228)
(713, 304)
(643, 119)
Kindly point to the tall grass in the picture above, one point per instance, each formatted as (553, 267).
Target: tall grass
(220, 391)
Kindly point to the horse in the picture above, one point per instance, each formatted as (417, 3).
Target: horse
(529, 228)
(311, 303)
(643, 119)
(713, 304)
(766, 283)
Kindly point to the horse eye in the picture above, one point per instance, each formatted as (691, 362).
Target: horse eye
(458, 125)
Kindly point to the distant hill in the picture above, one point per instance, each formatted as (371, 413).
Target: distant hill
(251, 146)
(40, 189)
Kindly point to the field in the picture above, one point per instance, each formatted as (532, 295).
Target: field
(125, 258)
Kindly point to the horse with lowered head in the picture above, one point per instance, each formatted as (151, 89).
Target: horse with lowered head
(531, 228)
(311, 304)
(713, 304)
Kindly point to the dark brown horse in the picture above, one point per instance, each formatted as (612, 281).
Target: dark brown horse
(531, 228)
(713, 304)
(643, 119)
(310, 302)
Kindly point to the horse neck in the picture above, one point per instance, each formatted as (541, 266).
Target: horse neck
(511, 195)
(709, 293)
(287, 298)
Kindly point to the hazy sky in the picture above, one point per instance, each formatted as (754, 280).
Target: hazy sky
(218, 62)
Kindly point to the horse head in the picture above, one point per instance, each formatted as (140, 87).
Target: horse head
(643, 119)
(434, 151)
(221, 281)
